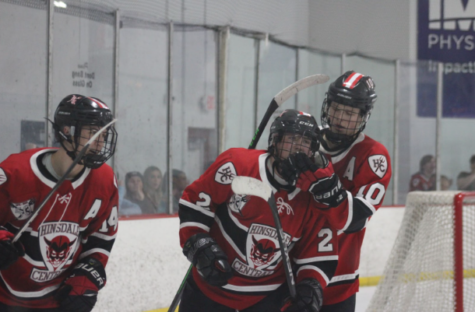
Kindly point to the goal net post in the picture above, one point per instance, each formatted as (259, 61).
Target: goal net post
(432, 263)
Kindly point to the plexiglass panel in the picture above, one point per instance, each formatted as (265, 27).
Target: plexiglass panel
(142, 111)
(194, 124)
(310, 63)
(456, 136)
(277, 70)
(24, 77)
(381, 124)
(83, 53)
(417, 132)
(240, 108)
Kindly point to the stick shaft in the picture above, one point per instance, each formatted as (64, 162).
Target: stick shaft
(177, 298)
(285, 255)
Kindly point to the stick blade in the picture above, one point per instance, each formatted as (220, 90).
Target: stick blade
(251, 186)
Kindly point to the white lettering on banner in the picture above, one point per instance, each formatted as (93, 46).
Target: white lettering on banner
(455, 15)
(451, 42)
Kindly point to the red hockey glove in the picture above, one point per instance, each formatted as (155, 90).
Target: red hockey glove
(208, 258)
(79, 292)
(9, 252)
(309, 297)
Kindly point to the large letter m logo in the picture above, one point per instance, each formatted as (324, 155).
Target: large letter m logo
(452, 14)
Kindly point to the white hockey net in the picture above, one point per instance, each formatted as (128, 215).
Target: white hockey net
(419, 275)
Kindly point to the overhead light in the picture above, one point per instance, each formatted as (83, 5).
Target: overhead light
(60, 4)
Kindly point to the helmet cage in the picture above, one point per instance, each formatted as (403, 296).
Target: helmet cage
(79, 118)
(300, 132)
(357, 93)
(343, 137)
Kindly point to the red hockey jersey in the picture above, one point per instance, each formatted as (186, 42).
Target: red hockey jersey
(243, 227)
(364, 170)
(79, 220)
(420, 182)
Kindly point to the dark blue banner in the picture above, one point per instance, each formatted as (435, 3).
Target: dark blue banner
(446, 33)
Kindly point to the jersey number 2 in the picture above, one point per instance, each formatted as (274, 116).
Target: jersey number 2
(324, 245)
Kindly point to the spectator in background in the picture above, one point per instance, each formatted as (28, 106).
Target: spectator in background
(126, 207)
(153, 188)
(421, 181)
(445, 183)
(179, 183)
(134, 192)
(466, 180)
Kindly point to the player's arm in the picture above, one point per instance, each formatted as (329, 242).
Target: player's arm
(9, 252)
(318, 177)
(79, 291)
(197, 208)
(349, 212)
(371, 181)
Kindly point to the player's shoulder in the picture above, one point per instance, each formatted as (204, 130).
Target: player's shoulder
(371, 146)
(240, 156)
(103, 175)
(237, 161)
(22, 161)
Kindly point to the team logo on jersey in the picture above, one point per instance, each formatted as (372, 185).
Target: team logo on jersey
(283, 207)
(58, 243)
(225, 174)
(378, 164)
(3, 176)
(237, 202)
(24, 210)
(262, 251)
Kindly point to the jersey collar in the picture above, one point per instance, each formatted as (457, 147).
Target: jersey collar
(47, 178)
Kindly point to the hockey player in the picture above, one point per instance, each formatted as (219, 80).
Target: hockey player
(364, 169)
(231, 238)
(58, 264)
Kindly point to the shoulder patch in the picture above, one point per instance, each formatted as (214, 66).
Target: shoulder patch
(225, 174)
(24, 210)
(379, 164)
(3, 176)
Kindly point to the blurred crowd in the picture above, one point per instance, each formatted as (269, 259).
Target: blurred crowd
(425, 178)
(147, 192)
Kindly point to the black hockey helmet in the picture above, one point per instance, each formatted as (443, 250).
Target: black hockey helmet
(292, 121)
(76, 111)
(354, 90)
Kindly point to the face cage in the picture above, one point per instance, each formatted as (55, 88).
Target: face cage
(93, 158)
(294, 147)
(349, 135)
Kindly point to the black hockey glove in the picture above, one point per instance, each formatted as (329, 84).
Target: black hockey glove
(9, 252)
(318, 178)
(309, 297)
(208, 258)
(79, 291)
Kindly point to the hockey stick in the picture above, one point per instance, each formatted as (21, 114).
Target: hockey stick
(283, 96)
(276, 102)
(60, 181)
(251, 186)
